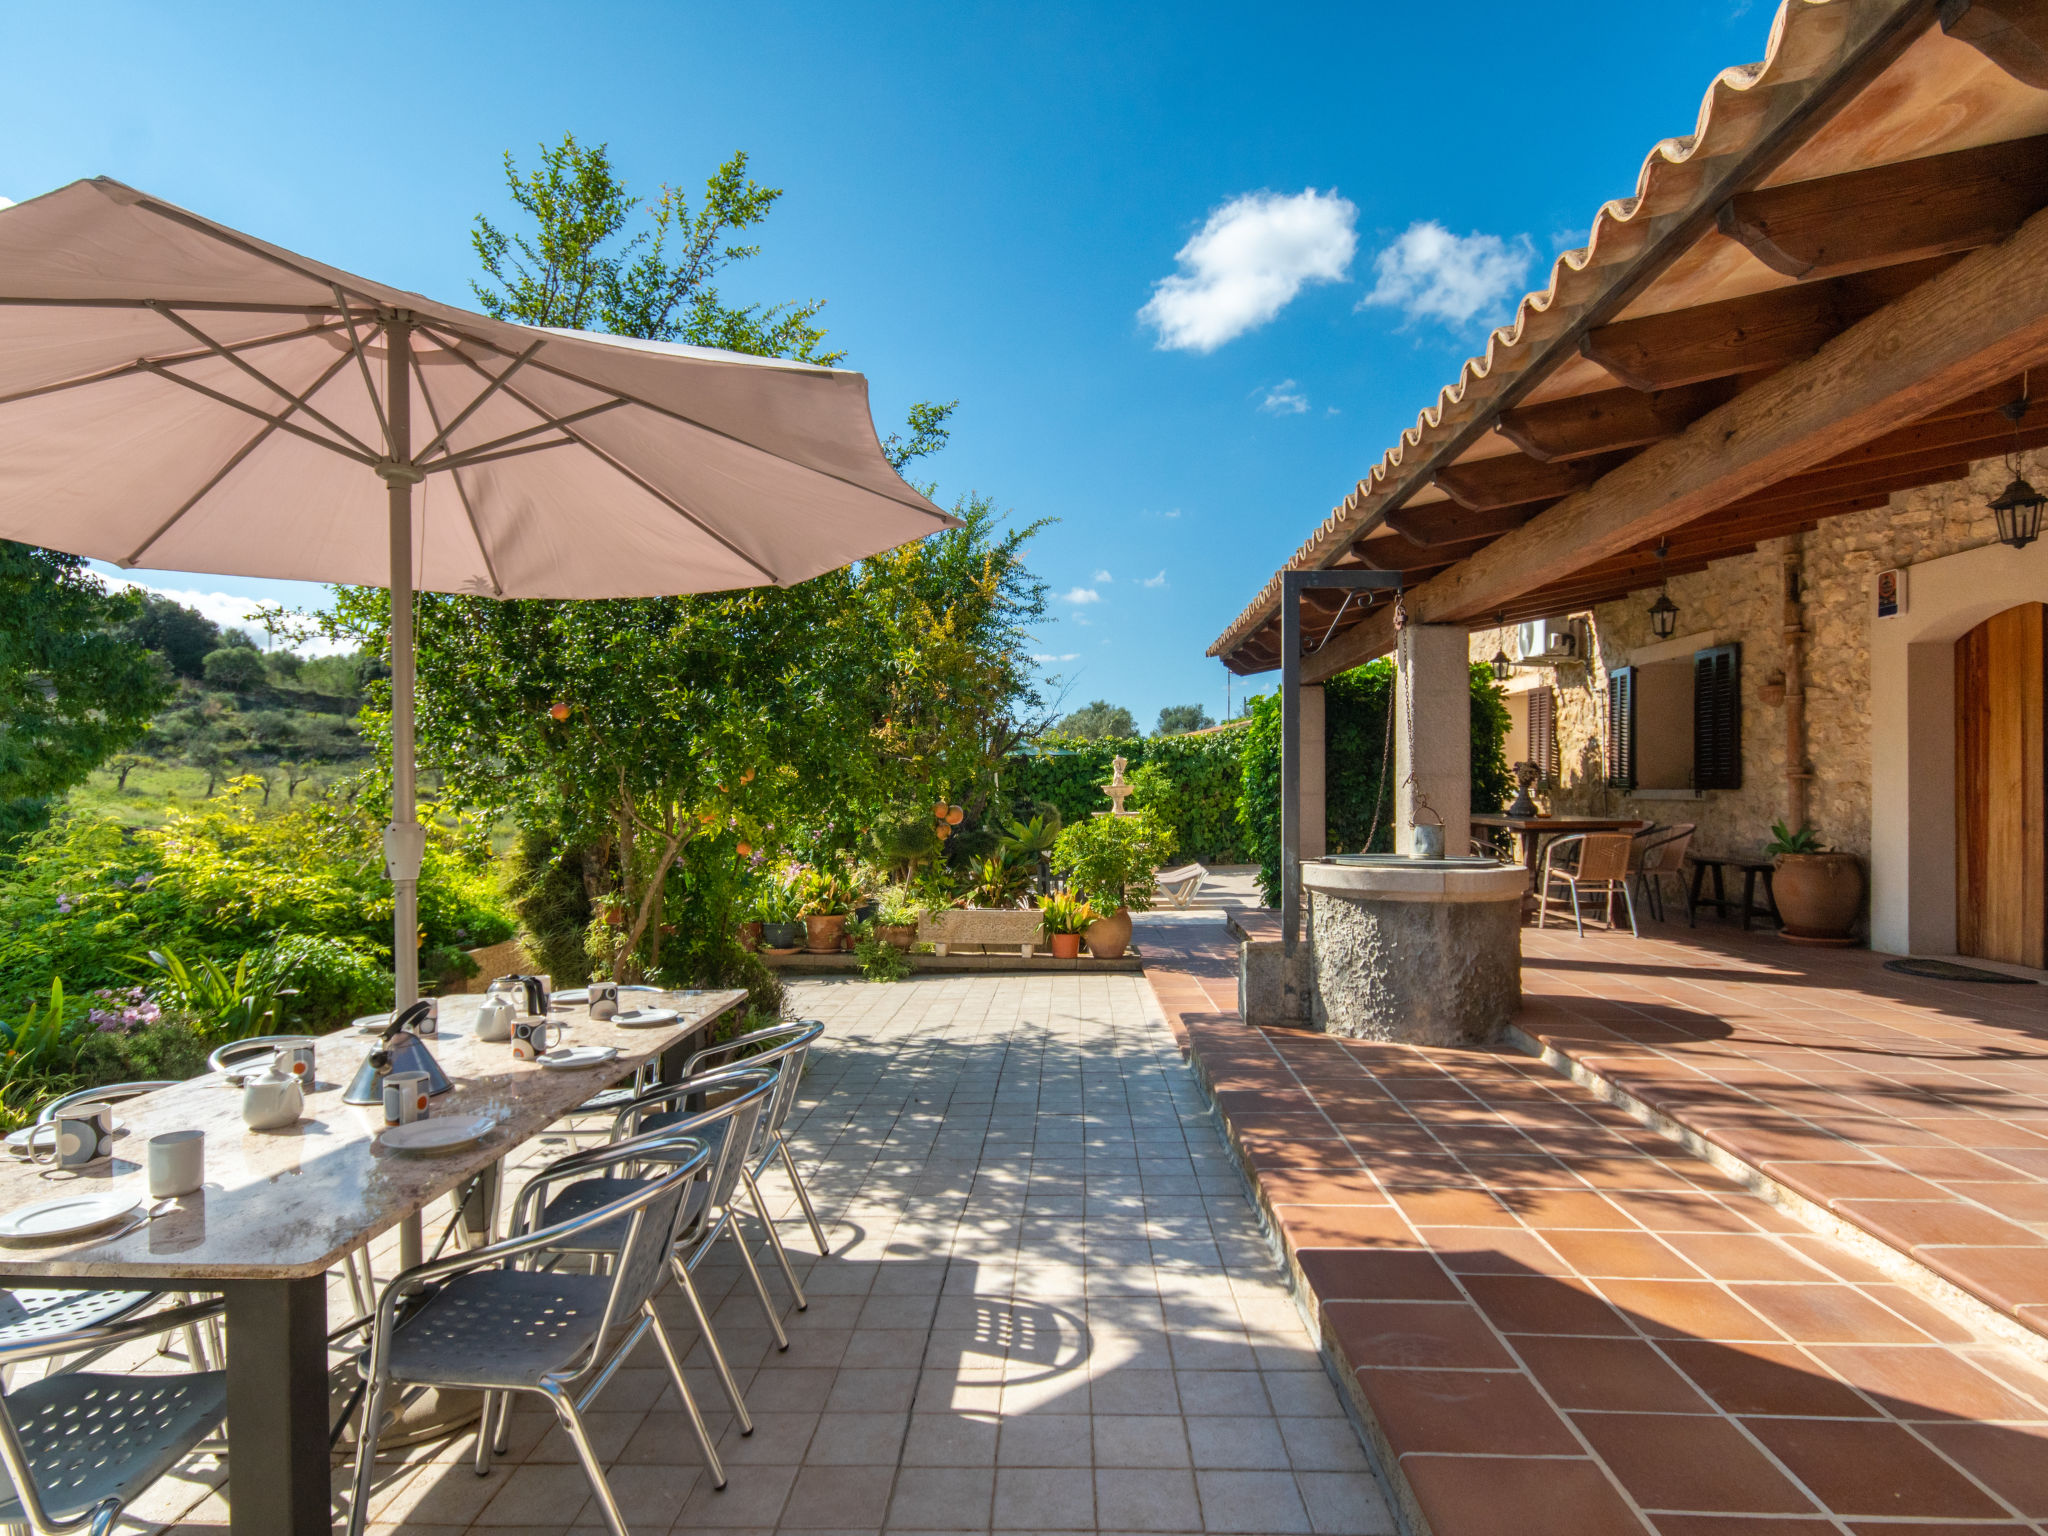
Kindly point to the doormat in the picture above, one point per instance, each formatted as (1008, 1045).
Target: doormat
(1948, 970)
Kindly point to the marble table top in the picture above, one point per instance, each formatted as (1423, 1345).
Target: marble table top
(285, 1205)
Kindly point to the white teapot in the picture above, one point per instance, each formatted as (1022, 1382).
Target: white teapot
(494, 1018)
(274, 1100)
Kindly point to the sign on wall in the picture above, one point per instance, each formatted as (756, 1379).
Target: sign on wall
(1891, 594)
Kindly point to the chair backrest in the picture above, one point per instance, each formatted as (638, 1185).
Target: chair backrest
(750, 1089)
(1667, 849)
(1605, 855)
(107, 1093)
(783, 1046)
(236, 1052)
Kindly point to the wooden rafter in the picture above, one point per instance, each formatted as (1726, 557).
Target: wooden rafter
(1609, 419)
(1448, 523)
(2013, 34)
(1515, 479)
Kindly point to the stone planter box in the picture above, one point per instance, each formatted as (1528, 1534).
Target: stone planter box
(1017, 928)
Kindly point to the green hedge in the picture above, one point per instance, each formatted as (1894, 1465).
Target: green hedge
(1356, 745)
(1189, 782)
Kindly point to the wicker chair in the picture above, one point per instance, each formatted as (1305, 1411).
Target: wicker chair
(1659, 852)
(1585, 864)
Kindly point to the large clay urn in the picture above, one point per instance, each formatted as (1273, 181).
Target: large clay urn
(825, 933)
(1819, 896)
(1109, 937)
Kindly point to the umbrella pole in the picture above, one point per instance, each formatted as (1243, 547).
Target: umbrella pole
(404, 839)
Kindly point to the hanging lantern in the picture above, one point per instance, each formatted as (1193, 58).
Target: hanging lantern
(1503, 669)
(2018, 507)
(1664, 617)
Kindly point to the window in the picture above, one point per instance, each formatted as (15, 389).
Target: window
(1717, 718)
(1621, 728)
(1542, 742)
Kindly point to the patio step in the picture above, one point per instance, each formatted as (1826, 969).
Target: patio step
(1550, 1319)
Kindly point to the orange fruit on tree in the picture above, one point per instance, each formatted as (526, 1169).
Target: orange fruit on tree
(560, 711)
(956, 815)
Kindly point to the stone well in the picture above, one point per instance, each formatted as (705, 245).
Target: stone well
(1426, 951)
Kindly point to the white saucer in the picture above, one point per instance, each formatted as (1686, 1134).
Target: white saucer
(447, 1134)
(66, 1216)
(643, 1018)
(566, 1058)
(582, 994)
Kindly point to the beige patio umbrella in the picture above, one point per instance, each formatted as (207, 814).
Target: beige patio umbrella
(177, 395)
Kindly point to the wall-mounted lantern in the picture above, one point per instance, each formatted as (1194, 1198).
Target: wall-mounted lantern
(2018, 507)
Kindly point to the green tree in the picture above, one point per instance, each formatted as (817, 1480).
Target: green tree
(181, 635)
(1094, 722)
(74, 688)
(1179, 719)
(236, 668)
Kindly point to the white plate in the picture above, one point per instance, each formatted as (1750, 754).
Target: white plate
(371, 1023)
(449, 1134)
(66, 1216)
(582, 994)
(643, 1018)
(566, 1058)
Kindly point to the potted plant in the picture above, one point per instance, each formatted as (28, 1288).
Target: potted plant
(896, 916)
(782, 930)
(1819, 892)
(1066, 918)
(827, 899)
(1109, 862)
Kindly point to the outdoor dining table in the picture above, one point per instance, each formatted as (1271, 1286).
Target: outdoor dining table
(280, 1208)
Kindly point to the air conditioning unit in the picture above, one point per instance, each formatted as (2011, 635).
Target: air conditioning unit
(1550, 640)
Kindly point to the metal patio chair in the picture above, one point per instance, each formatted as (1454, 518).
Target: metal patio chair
(486, 1321)
(78, 1446)
(1600, 868)
(1657, 853)
(787, 1045)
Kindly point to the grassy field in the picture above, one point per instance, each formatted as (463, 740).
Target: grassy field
(155, 790)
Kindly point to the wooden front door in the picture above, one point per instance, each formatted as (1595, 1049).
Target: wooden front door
(2001, 788)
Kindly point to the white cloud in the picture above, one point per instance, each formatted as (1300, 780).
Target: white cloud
(1284, 399)
(1104, 577)
(1431, 274)
(6, 202)
(1081, 595)
(229, 612)
(1068, 656)
(1154, 581)
(1250, 259)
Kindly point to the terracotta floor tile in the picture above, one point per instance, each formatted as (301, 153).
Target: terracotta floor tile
(1829, 1182)
(1743, 1525)
(1472, 1412)
(1727, 1256)
(1494, 1250)
(1264, 1153)
(1910, 1224)
(1502, 1172)
(1415, 1334)
(2026, 1202)
(1764, 1379)
(2012, 1277)
(1920, 1312)
(1718, 1470)
(1451, 1208)
(2012, 1462)
(1871, 1468)
(1681, 1211)
(1834, 1258)
(1949, 1165)
(1504, 1496)
(1567, 1208)
(1375, 1274)
(1617, 1172)
(1312, 1186)
(1635, 1254)
(1613, 1375)
(1927, 1382)
(1343, 1226)
(1935, 1528)
(1828, 1314)
(1686, 1309)
(1542, 1304)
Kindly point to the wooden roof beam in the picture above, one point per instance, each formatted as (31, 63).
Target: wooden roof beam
(1440, 523)
(1515, 479)
(1982, 320)
(1759, 330)
(2013, 34)
(1609, 419)
(1887, 214)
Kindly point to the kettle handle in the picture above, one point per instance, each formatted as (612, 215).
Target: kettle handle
(405, 1020)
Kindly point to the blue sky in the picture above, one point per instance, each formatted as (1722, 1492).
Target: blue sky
(990, 197)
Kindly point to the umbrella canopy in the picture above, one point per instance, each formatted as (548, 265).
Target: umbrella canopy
(178, 395)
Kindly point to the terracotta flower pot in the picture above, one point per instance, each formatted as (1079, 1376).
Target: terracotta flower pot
(1109, 937)
(824, 933)
(750, 936)
(897, 935)
(1819, 896)
(1065, 946)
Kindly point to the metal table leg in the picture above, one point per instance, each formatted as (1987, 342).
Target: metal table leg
(278, 1479)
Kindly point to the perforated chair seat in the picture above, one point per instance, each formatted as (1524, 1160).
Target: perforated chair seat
(91, 1437)
(26, 1317)
(500, 1328)
(587, 1195)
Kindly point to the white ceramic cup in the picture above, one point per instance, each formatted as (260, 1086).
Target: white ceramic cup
(295, 1059)
(177, 1163)
(531, 1037)
(405, 1098)
(76, 1137)
(604, 999)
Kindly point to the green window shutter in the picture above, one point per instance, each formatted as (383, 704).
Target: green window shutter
(1621, 728)
(1717, 718)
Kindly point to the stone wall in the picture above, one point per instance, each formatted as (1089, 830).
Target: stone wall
(1739, 599)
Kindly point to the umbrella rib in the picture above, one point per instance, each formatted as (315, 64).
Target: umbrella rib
(484, 394)
(122, 370)
(261, 415)
(262, 434)
(257, 374)
(490, 449)
(226, 306)
(690, 421)
(659, 495)
(461, 491)
(472, 460)
(363, 362)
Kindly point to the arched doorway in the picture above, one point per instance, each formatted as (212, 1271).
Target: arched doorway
(2002, 788)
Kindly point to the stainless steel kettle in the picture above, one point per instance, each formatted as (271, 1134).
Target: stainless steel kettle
(398, 1050)
(529, 989)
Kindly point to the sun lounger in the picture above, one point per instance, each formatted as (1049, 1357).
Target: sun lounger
(1180, 886)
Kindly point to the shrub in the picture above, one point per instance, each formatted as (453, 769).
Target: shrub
(1190, 782)
(336, 980)
(235, 669)
(1109, 860)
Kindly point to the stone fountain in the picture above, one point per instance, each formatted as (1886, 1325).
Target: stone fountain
(1117, 790)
